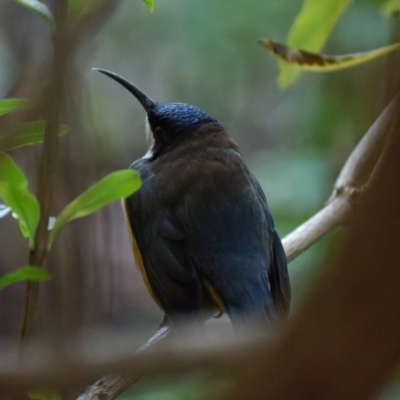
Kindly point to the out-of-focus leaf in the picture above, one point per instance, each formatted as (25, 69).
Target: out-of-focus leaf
(115, 186)
(15, 194)
(26, 273)
(41, 395)
(308, 61)
(149, 4)
(27, 134)
(22, 226)
(39, 8)
(8, 105)
(4, 210)
(391, 7)
(310, 30)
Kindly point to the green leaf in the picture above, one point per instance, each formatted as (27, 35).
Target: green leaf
(22, 227)
(38, 8)
(4, 210)
(391, 7)
(26, 273)
(8, 105)
(149, 4)
(310, 30)
(27, 134)
(115, 186)
(15, 194)
(314, 62)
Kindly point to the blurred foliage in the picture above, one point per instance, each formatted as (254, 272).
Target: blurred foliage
(115, 186)
(300, 60)
(26, 134)
(38, 8)
(149, 4)
(9, 105)
(15, 194)
(25, 206)
(26, 273)
(391, 7)
(310, 30)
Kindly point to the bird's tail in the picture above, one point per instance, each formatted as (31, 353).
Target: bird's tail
(248, 303)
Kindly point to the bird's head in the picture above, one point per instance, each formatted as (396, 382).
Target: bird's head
(168, 123)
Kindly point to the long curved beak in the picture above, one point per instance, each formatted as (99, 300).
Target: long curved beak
(144, 100)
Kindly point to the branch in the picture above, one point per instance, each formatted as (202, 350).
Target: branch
(110, 386)
(353, 175)
(334, 214)
(363, 158)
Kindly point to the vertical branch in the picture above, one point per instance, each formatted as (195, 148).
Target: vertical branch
(48, 163)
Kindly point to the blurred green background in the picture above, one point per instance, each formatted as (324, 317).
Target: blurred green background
(202, 52)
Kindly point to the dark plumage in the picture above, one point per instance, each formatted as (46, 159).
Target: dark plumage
(202, 233)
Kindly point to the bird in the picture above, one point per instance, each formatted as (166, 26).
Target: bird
(201, 231)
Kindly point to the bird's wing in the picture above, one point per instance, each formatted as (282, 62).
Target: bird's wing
(160, 252)
(278, 273)
(229, 240)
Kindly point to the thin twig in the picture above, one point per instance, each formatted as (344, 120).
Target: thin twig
(110, 386)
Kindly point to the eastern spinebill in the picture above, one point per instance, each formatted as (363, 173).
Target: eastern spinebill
(202, 234)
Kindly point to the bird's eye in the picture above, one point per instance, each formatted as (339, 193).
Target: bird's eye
(157, 130)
